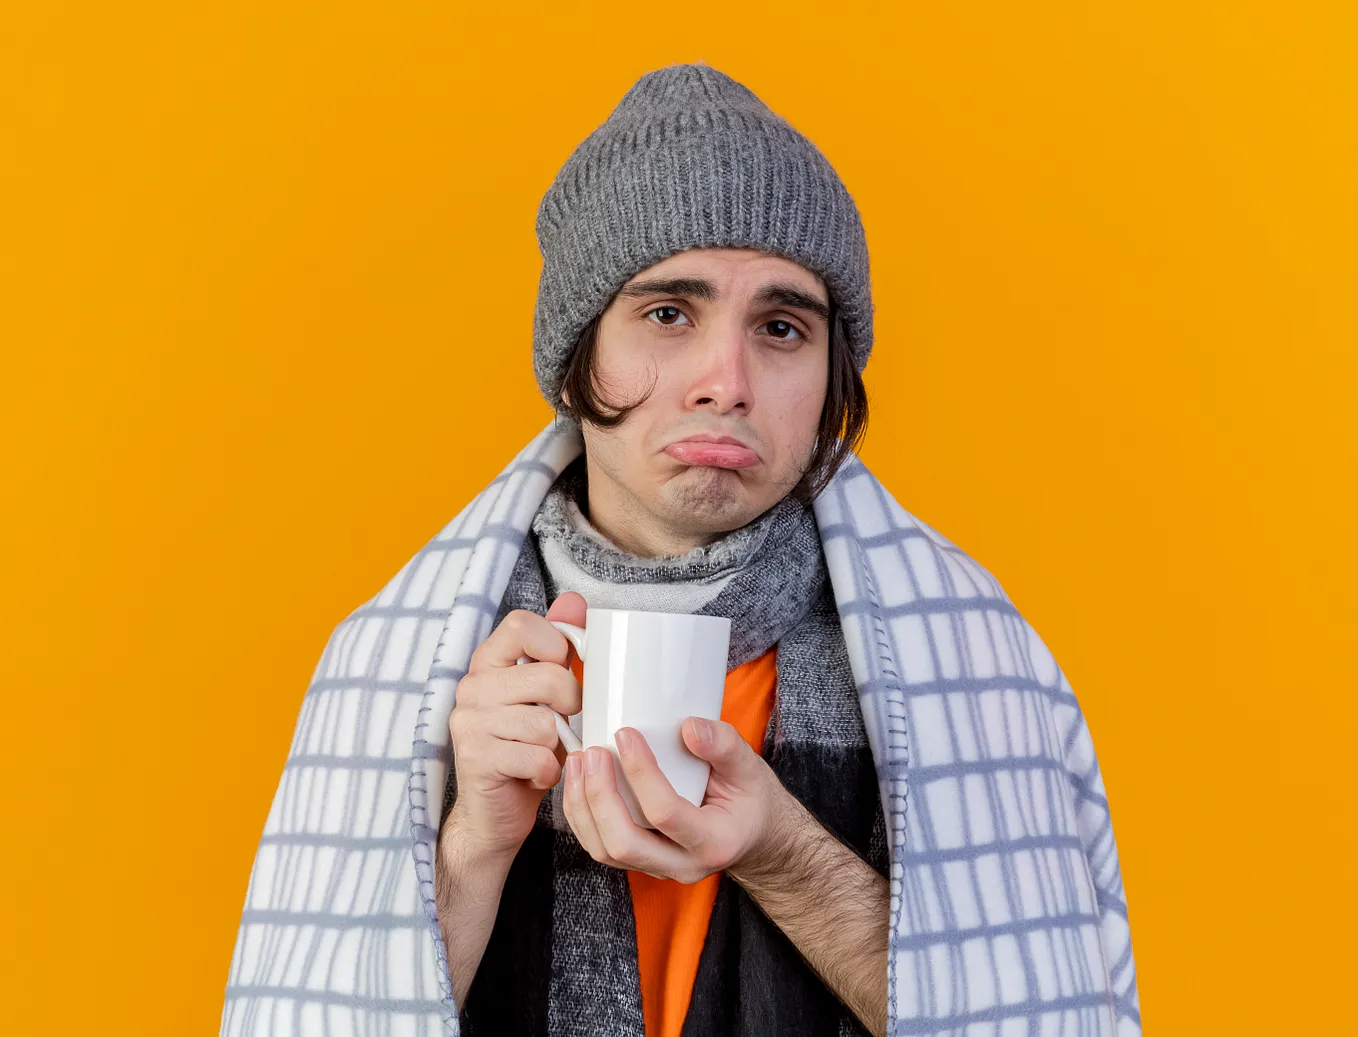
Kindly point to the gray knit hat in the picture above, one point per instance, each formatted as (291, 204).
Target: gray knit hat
(689, 159)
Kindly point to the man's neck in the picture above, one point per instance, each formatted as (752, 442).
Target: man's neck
(643, 539)
(628, 527)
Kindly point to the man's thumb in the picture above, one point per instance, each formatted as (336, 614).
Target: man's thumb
(717, 742)
(568, 608)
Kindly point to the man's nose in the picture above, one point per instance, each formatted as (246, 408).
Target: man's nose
(723, 381)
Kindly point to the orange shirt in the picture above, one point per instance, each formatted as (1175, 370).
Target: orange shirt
(672, 917)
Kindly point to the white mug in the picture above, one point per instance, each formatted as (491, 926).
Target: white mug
(648, 671)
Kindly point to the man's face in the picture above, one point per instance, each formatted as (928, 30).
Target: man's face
(737, 344)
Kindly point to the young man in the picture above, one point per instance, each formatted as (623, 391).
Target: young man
(904, 830)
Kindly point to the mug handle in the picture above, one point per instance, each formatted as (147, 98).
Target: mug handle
(576, 636)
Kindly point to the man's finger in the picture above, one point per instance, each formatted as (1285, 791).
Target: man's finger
(547, 683)
(671, 813)
(532, 724)
(720, 744)
(568, 608)
(578, 812)
(623, 839)
(520, 633)
(534, 764)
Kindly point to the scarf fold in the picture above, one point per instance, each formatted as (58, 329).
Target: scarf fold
(763, 576)
(1006, 912)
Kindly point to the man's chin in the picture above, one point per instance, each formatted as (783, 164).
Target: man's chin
(715, 498)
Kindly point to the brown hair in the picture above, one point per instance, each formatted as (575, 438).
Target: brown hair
(843, 418)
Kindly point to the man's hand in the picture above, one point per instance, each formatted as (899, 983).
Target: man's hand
(744, 804)
(506, 752)
(825, 898)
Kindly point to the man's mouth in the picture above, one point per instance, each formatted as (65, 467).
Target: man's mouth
(713, 451)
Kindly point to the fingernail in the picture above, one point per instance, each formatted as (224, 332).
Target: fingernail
(592, 760)
(573, 768)
(623, 738)
(702, 732)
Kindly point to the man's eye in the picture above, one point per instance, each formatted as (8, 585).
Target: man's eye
(670, 314)
(781, 328)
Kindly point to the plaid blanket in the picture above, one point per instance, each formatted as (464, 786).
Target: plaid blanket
(1007, 909)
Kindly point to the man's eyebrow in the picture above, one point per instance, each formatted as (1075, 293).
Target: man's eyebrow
(686, 287)
(785, 294)
(782, 293)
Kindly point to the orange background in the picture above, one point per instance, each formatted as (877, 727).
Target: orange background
(267, 275)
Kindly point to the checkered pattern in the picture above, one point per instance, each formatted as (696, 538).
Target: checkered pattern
(1007, 909)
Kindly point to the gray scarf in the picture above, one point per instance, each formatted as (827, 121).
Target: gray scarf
(764, 575)
(769, 577)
